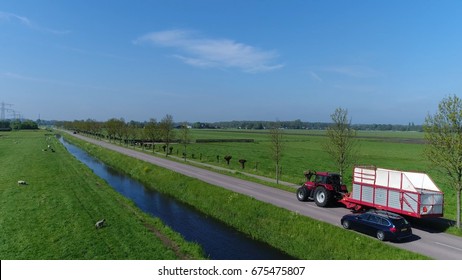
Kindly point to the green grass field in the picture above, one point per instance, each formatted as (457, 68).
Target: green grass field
(299, 236)
(54, 215)
(303, 150)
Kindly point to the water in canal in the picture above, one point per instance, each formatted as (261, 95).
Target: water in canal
(219, 241)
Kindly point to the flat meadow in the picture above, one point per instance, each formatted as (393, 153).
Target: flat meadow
(302, 150)
(53, 216)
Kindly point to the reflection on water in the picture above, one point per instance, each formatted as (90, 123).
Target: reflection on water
(219, 241)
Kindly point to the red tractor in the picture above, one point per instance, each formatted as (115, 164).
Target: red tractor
(324, 189)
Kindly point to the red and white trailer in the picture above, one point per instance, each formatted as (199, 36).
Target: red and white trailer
(407, 193)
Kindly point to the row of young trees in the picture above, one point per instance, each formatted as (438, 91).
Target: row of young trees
(147, 133)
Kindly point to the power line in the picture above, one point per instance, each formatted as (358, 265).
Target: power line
(3, 109)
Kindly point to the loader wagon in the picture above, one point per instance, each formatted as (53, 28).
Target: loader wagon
(408, 193)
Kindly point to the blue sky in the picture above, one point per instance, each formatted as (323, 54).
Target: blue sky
(204, 60)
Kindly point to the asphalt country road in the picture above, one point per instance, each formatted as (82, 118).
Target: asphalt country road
(439, 246)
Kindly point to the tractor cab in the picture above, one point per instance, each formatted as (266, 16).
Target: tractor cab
(321, 187)
(333, 180)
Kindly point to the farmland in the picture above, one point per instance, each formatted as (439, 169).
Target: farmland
(302, 150)
(54, 215)
(73, 200)
(295, 234)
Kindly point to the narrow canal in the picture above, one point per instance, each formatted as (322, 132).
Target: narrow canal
(219, 241)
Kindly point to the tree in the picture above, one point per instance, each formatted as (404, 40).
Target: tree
(166, 131)
(341, 144)
(276, 136)
(132, 133)
(5, 125)
(443, 134)
(185, 137)
(124, 132)
(93, 127)
(151, 130)
(228, 158)
(16, 124)
(115, 128)
(28, 124)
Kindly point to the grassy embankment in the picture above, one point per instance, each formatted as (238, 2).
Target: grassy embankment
(54, 215)
(297, 235)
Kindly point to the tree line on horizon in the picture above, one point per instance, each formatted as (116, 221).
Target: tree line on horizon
(262, 125)
(8, 125)
(298, 124)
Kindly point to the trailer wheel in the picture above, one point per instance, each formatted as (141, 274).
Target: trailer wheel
(302, 194)
(321, 197)
(380, 235)
(346, 224)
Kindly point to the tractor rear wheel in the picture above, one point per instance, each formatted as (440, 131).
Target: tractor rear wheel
(302, 194)
(321, 197)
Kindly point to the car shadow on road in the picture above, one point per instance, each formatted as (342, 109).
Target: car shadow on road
(412, 238)
(431, 225)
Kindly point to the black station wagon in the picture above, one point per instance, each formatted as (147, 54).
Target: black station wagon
(381, 224)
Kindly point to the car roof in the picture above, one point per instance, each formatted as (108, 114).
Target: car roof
(385, 214)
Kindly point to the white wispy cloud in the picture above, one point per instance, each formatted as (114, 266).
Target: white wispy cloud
(10, 17)
(200, 51)
(354, 71)
(315, 76)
